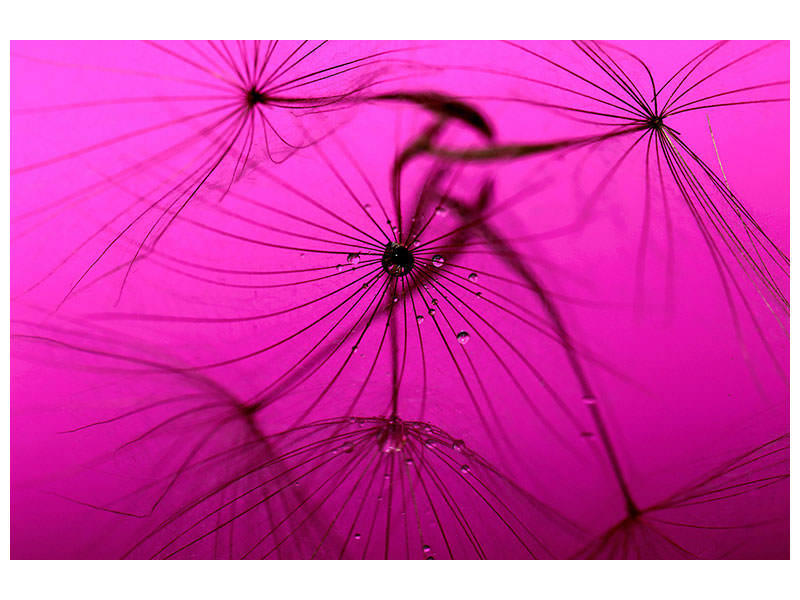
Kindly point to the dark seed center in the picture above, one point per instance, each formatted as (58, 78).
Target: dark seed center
(397, 260)
(254, 97)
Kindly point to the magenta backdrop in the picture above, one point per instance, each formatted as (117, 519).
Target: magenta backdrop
(687, 355)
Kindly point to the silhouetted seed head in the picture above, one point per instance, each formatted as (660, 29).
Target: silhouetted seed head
(254, 96)
(392, 438)
(655, 122)
(397, 260)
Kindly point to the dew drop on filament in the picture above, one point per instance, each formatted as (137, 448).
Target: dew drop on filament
(462, 337)
(353, 258)
(420, 318)
(438, 260)
(473, 277)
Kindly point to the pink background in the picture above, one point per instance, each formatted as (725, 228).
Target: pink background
(681, 392)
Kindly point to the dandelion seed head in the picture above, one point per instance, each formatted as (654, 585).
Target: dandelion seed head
(392, 438)
(397, 260)
(254, 96)
(655, 122)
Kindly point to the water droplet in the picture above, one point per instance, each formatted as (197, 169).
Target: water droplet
(420, 318)
(367, 206)
(347, 447)
(429, 558)
(395, 299)
(441, 211)
(465, 469)
(340, 268)
(435, 302)
(459, 445)
(462, 337)
(354, 348)
(357, 536)
(409, 461)
(473, 277)
(353, 258)
(426, 549)
(430, 443)
(438, 260)
(431, 311)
